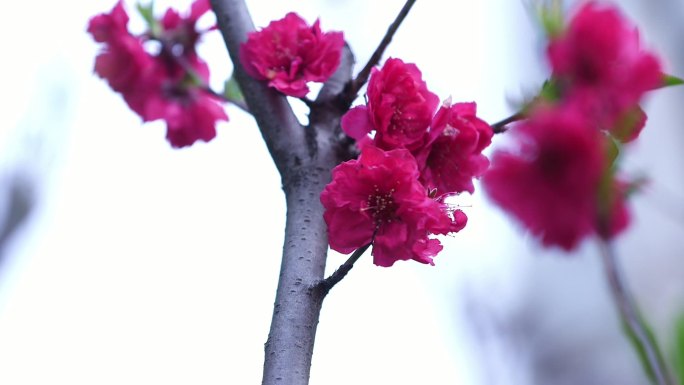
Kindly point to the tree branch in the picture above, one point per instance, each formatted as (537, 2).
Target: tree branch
(343, 270)
(304, 157)
(635, 328)
(362, 77)
(279, 126)
(335, 85)
(500, 127)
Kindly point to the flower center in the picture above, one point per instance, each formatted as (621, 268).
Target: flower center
(382, 206)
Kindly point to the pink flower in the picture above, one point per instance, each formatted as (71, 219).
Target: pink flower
(453, 156)
(400, 108)
(378, 198)
(289, 54)
(599, 59)
(180, 30)
(106, 27)
(189, 111)
(123, 61)
(189, 118)
(124, 64)
(169, 84)
(551, 182)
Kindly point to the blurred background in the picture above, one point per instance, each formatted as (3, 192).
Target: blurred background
(125, 261)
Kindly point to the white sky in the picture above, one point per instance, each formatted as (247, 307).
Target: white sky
(147, 265)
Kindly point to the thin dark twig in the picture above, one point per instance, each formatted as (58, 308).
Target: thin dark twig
(342, 271)
(362, 77)
(630, 316)
(500, 127)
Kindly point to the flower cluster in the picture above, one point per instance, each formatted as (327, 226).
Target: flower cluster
(599, 65)
(169, 83)
(413, 156)
(289, 53)
(560, 180)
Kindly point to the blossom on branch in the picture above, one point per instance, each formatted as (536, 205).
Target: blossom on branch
(411, 160)
(168, 83)
(453, 155)
(400, 108)
(379, 199)
(289, 53)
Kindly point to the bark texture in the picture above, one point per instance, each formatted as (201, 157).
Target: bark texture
(304, 157)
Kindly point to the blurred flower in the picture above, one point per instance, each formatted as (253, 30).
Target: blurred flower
(123, 61)
(189, 111)
(557, 181)
(111, 26)
(598, 61)
(289, 53)
(181, 31)
(170, 83)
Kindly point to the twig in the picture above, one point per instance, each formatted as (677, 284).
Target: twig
(630, 317)
(342, 271)
(500, 127)
(362, 77)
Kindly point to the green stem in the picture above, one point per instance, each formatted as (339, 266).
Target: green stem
(644, 342)
(500, 127)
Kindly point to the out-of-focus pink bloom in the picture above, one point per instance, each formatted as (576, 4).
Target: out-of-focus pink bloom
(289, 53)
(601, 109)
(552, 181)
(400, 108)
(181, 31)
(189, 117)
(453, 156)
(123, 62)
(106, 27)
(189, 111)
(378, 198)
(599, 59)
(168, 84)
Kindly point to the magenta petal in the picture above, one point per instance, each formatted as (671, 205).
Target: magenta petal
(356, 123)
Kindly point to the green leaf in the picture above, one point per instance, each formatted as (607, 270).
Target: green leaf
(671, 80)
(232, 92)
(550, 91)
(550, 13)
(641, 350)
(147, 13)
